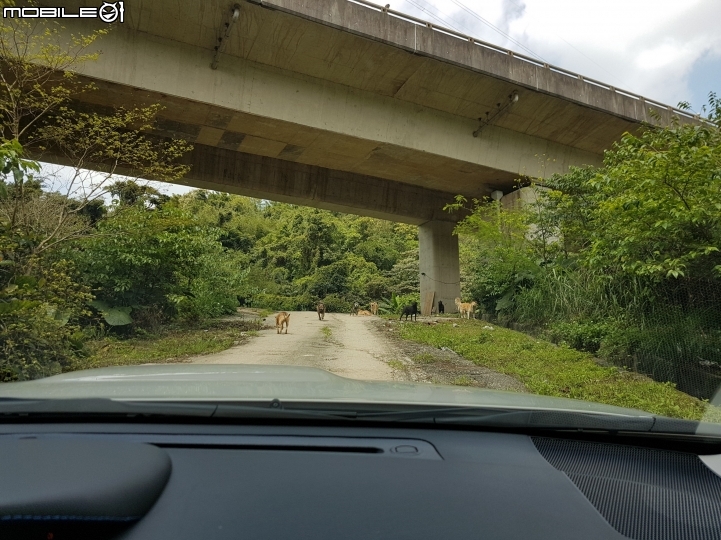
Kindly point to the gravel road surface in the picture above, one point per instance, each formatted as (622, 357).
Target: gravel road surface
(342, 344)
(358, 347)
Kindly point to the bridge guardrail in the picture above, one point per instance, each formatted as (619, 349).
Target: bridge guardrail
(525, 58)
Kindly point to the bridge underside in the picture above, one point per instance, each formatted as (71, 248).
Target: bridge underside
(309, 185)
(316, 168)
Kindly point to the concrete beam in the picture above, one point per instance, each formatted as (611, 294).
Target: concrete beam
(297, 183)
(380, 135)
(474, 55)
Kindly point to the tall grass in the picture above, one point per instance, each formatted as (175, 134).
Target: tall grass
(630, 324)
(559, 295)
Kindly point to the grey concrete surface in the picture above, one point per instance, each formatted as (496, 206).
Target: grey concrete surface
(439, 265)
(339, 86)
(298, 183)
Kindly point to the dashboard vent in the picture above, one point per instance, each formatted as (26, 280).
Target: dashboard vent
(281, 448)
(644, 493)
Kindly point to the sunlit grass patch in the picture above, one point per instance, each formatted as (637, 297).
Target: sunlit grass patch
(171, 344)
(554, 371)
(424, 358)
(463, 380)
(396, 364)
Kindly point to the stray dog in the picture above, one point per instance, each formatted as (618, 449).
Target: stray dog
(355, 309)
(320, 308)
(458, 305)
(441, 308)
(374, 308)
(365, 313)
(468, 309)
(410, 310)
(281, 319)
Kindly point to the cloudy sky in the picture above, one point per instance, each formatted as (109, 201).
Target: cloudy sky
(668, 50)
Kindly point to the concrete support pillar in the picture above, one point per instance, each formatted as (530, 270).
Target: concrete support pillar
(439, 265)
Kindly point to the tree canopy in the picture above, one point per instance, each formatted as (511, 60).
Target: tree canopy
(623, 260)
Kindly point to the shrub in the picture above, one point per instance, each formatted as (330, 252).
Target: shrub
(278, 302)
(337, 304)
(161, 261)
(684, 351)
(581, 335)
(39, 335)
(395, 304)
(407, 299)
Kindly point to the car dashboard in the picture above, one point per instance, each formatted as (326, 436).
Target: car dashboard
(138, 481)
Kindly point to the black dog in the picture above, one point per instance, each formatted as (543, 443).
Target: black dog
(410, 310)
(441, 308)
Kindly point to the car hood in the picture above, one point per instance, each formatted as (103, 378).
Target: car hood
(197, 382)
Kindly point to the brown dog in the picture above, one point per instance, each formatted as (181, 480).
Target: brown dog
(320, 308)
(374, 308)
(281, 319)
(468, 309)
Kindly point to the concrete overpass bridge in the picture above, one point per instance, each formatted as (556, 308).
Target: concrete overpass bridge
(347, 106)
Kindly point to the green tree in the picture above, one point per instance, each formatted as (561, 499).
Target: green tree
(658, 199)
(404, 277)
(304, 239)
(623, 259)
(39, 72)
(161, 263)
(42, 216)
(39, 62)
(40, 303)
(503, 258)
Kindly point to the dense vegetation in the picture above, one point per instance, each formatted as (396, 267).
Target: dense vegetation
(147, 260)
(295, 256)
(622, 261)
(46, 222)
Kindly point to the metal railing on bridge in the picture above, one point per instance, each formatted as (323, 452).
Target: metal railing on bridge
(524, 58)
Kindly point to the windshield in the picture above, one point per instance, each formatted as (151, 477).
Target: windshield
(197, 201)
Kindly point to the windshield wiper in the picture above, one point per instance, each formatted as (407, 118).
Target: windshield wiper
(274, 409)
(101, 406)
(94, 407)
(540, 419)
(553, 420)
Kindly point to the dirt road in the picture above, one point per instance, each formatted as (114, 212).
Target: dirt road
(366, 348)
(343, 344)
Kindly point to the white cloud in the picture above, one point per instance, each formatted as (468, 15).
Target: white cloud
(86, 184)
(663, 56)
(645, 46)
